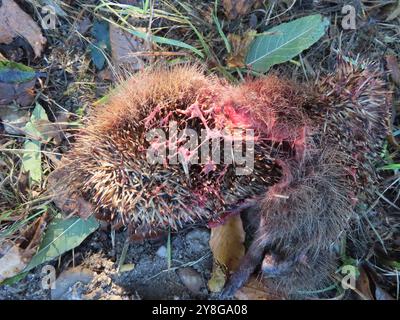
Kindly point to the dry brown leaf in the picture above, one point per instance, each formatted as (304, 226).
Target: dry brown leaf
(11, 260)
(64, 196)
(49, 130)
(14, 119)
(227, 246)
(254, 289)
(236, 8)
(240, 46)
(21, 93)
(363, 285)
(14, 257)
(14, 22)
(381, 294)
(124, 46)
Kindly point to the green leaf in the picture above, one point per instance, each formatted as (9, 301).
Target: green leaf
(15, 279)
(392, 166)
(61, 236)
(13, 72)
(100, 32)
(285, 41)
(39, 113)
(167, 41)
(31, 160)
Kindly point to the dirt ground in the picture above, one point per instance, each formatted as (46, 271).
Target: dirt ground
(96, 273)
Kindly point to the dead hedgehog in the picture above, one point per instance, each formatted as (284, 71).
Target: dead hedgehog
(344, 120)
(136, 162)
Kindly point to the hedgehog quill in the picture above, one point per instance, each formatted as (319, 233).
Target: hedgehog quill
(313, 155)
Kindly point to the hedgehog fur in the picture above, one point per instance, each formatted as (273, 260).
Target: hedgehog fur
(314, 154)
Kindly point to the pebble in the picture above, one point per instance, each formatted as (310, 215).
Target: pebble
(162, 252)
(69, 281)
(191, 279)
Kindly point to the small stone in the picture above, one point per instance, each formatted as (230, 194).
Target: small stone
(191, 279)
(162, 252)
(67, 281)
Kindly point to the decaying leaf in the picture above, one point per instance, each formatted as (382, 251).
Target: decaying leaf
(14, 119)
(100, 32)
(240, 46)
(14, 257)
(63, 196)
(236, 8)
(11, 261)
(254, 289)
(363, 285)
(227, 246)
(16, 83)
(123, 48)
(14, 22)
(381, 294)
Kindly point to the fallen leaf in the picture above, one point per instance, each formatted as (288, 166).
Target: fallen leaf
(64, 196)
(84, 25)
(227, 246)
(123, 48)
(285, 41)
(31, 161)
(14, 119)
(240, 46)
(254, 289)
(60, 236)
(21, 93)
(363, 285)
(381, 294)
(11, 260)
(16, 83)
(14, 257)
(14, 22)
(236, 8)
(100, 32)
